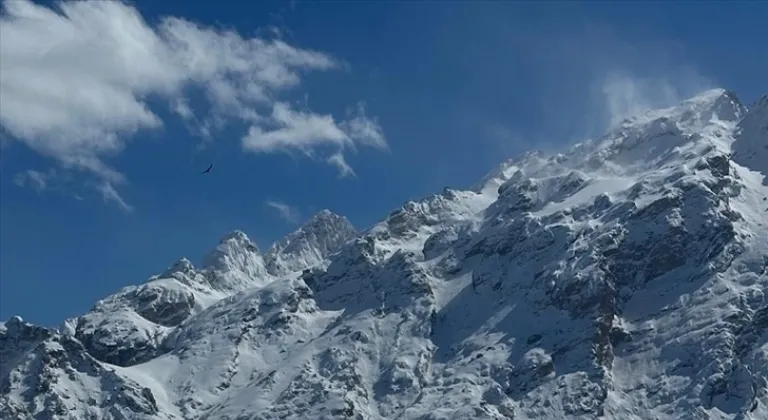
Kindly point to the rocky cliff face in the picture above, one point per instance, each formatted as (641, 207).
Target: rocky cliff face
(624, 278)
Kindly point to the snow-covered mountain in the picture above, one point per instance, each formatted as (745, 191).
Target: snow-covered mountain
(324, 234)
(625, 278)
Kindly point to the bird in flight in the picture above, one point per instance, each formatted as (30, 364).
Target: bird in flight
(207, 170)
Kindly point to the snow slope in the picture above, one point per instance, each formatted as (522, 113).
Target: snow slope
(624, 278)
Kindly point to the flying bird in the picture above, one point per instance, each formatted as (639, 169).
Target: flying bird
(207, 170)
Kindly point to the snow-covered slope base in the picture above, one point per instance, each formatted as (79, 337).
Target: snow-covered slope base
(623, 279)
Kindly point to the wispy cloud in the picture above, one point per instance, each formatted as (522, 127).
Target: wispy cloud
(81, 100)
(338, 160)
(364, 130)
(110, 195)
(52, 181)
(287, 130)
(295, 129)
(285, 211)
(38, 181)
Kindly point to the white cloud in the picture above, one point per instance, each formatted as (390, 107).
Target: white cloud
(51, 181)
(74, 84)
(288, 130)
(338, 160)
(36, 180)
(110, 195)
(364, 130)
(181, 108)
(286, 212)
(295, 129)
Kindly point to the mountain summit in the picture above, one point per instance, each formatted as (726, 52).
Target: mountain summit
(311, 244)
(624, 278)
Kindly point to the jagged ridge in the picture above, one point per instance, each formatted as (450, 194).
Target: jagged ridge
(624, 278)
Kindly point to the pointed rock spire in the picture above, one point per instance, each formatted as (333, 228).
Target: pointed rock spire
(320, 237)
(183, 266)
(231, 246)
(235, 263)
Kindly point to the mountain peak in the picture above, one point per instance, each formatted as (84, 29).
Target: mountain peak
(14, 321)
(761, 103)
(236, 240)
(182, 265)
(324, 213)
(235, 235)
(323, 234)
(710, 98)
(725, 104)
(324, 217)
(709, 95)
(693, 113)
(235, 251)
(751, 146)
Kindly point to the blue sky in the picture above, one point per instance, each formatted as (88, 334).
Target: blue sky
(109, 112)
